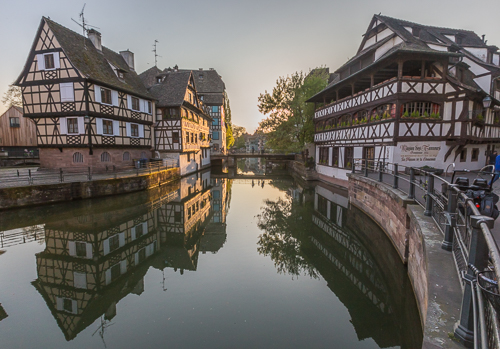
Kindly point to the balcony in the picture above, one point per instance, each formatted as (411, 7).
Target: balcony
(388, 88)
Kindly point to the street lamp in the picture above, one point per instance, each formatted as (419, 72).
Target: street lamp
(487, 102)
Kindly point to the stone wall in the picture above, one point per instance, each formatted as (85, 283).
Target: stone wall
(51, 193)
(417, 239)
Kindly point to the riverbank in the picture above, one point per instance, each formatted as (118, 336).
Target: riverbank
(33, 195)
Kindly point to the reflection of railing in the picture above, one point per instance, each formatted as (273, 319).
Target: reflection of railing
(81, 174)
(466, 233)
(21, 236)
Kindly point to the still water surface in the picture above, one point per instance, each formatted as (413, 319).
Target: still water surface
(207, 262)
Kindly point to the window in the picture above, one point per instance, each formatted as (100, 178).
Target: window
(81, 249)
(126, 156)
(348, 157)
(105, 96)
(135, 103)
(115, 271)
(192, 137)
(105, 157)
(196, 138)
(215, 122)
(114, 243)
(463, 155)
(72, 124)
(67, 303)
(187, 137)
(323, 156)
(134, 130)
(189, 158)
(420, 109)
(77, 157)
(322, 204)
(201, 98)
(215, 135)
(215, 109)
(177, 217)
(141, 255)
(107, 127)
(139, 231)
(335, 157)
(14, 122)
(158, 114)
(49, 61)
(150, 107)
(175, 137)
(475, 154)
(120, 74)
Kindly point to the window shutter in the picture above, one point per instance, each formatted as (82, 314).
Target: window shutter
(123, 267)
(129, 129)
(132, 232)
(106, 246)
(114, 98)
(89, 251)
(63, 125)
(74, 307)
(97, 94)
(145, 227)
(121, 238)
(142, 105)
(129, 102)
(108, 276)
(72, 248)
(339, 216)
(116, 127)
(136, 258)
(79, 280)
(141, 131)
(57, 64)
(41, 62)
(66, 91)
(59, 303)
(81, 125)
(98, 122)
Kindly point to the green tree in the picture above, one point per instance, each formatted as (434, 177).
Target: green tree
(229, 125)
(289, 124)
(13, 97)
(238, 134)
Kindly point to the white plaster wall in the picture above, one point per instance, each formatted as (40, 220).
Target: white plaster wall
(484, 82)
(387, 46)
(481, 53)
(496, 59)
(474, 67)
(206, 161)
(333, 197)
(333, 172)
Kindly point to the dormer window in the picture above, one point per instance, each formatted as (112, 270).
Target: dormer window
(158, 79)
(416, 31)
(49, 61)
(120, 74)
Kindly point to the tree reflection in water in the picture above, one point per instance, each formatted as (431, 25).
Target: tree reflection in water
(284, 226)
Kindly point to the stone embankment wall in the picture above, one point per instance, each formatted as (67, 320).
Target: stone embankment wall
(299, 168)
(417, 240)
(51, 193)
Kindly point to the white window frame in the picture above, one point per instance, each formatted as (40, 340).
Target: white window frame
(41, 61)
(63, 125)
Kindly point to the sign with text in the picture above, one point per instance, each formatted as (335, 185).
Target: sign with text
(420, 152)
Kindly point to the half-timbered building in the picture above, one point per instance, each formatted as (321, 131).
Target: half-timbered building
(414, 95)
(182, 127)
(88, 103)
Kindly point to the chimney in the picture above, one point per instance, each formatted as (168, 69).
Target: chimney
(483, 37)
(129, 58)
(95, 37)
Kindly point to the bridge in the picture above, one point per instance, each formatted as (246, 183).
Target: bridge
(230, 159)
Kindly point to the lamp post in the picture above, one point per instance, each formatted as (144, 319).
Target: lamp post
(86, 120)
(487, 102)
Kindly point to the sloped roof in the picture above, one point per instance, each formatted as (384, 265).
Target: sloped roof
(172, 90)
(20, 110)
(148, 77)
(208, 81)
(93, 64)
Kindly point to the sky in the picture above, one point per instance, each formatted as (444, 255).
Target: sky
(249, 43)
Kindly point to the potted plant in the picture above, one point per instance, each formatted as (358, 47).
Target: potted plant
(406, 115)
(349, 165)
(478, 120)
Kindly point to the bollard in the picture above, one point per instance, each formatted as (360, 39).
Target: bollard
(478, 256)
(451, 220)
(411, 191)
(428, 200)
(396, 178)
(61, 174)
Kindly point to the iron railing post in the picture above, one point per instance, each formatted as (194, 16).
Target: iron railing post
(353, 166)
(451, 220)
(478, 257)
(411, 191)
(61, 174)
(428, 199)
(30, 180)
(396, 178)
(366, 167)
(90, 175)
(380, 173)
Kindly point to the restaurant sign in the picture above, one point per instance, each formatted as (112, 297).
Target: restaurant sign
(419, 152)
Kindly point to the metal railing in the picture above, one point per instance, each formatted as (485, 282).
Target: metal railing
(467, 234)
(27, 177)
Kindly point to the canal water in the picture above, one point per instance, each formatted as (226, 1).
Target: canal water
(205, 262)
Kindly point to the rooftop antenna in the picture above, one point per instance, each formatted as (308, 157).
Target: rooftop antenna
(84, 25)
(156, 55)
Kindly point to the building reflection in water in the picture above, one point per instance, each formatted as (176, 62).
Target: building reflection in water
(350, 252)
(93, 260)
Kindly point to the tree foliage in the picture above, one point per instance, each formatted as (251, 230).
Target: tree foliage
(12, 97)
(229, 125)
(289, 124)
(238, 134)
